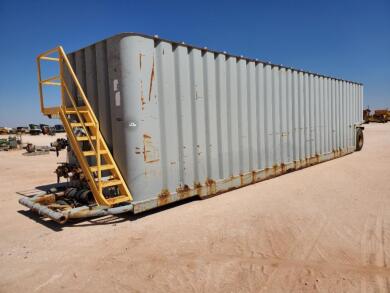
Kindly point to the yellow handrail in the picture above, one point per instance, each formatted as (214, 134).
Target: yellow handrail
(77, 113)
(76, 81)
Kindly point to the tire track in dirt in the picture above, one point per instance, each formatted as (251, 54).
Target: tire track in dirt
(298, 272)
(301, 250)
(193, 261)
(372, 250)
(343, 233)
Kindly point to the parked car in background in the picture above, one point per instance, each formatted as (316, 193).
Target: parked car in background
(22, 129)
(44, 128)
(48, 130)
(59, 128)
(35, 129)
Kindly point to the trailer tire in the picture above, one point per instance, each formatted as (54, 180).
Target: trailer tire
(359, 139)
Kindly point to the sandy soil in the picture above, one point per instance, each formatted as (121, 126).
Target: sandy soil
(322, 229)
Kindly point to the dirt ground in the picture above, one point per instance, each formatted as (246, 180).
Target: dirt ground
(322, 229)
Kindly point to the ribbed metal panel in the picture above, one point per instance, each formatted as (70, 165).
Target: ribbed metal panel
(186, 121)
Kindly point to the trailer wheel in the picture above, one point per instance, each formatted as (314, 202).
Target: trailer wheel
(359, 139)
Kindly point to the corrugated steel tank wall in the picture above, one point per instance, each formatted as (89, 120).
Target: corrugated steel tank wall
(179, 117)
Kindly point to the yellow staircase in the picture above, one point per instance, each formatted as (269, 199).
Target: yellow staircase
(82, 128)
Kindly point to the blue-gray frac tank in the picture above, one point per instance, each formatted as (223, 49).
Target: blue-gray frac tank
(184, 121)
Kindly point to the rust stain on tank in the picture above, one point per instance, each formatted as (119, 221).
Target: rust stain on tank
(151, 80)
(142, 97)
(277, 170)
(254, 176)
(151, 153)
(163, 197)
(267, 173)
(283, 168)
(183, 191)
(273, 171)
(242, 180)
(211, 186)
(312, 161)
(198, 188)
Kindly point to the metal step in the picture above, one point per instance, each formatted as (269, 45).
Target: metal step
(88, 124)
(102, 167)
(84, 138)
(93, 153)
(118, 199)
(75, 112)
(110, 183)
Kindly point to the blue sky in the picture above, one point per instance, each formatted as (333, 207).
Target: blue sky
(346, 39)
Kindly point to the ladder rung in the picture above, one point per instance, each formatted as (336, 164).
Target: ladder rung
(80, 124)
(75, 112)
(102, 167)
(84, 138)
(53, 78)
(93, 153)
(118, 199)
(50, 58)
(109, 183)
(51, 83)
